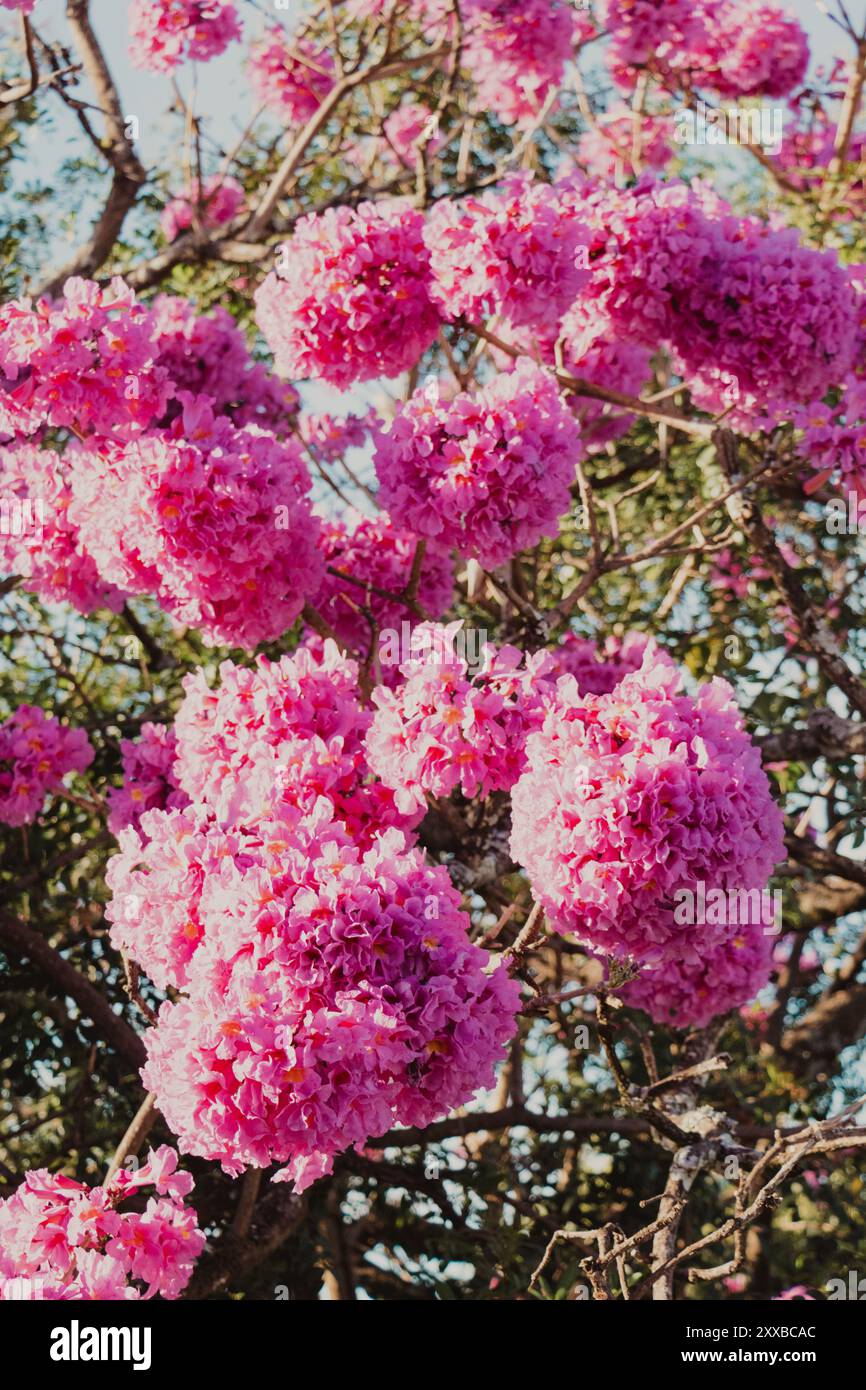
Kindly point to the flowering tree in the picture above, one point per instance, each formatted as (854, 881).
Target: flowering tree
(433, 814)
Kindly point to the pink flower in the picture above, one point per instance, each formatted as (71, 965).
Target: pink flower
(753, 50)
(156, 881)
(586, 346)
(733, 47)
(687, 994)
(62, 1240)
(208, 355)
(516, 51)
(377, 552)
(515, 253)
(85, 362)
(633, 796)
(405, 127)
(210, 518)
(598, 671)
(353, 300)
(219, 201)
(291, 77)
(489, 473)
(796, 1291)
(756, 321)
(165, 33)
(642, 29)
(283, 734)
(735, 1283)
(38, 540)
(442, 729)
(336, 994)
(148, 780)
(331, 436)
(36, 753)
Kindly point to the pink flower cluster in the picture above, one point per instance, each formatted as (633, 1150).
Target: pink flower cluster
(330, 436)
(291, 77)
(26, 6)
(334, 993)
(217, 202)
(586, 345)
(165, 33)
(834, 437)
(148, 779)
(38, 541)
(769, 54)
(61, 1240)
(36, 753)
(377, 552)
(404, 127)
(207, 354)
(211, 518)
(689, 993)
(353, 300)
(640, 29)
(489, 473)
(599, 670)
(516, 51)
(734, 47)
(85, 362)
(442, 728)
(282, 734)
(755, 319)
(632, 796)
(515, 252)
(166, 860)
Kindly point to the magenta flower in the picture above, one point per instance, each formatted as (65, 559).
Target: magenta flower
(220, 200)
(353, 301)
(291, 77)
(165, 33)
(633, 796)
(755, 320)
(335, 994)
(62, 1240)
(210, 518)
(36, 753)
(598, 670)
(149, 783)
(40, 543)
(688, 994)
(442, 728)
(515, 253)
(489, 473)
(207, 355)
(516, 51)
(85, 362)
(283, 734)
